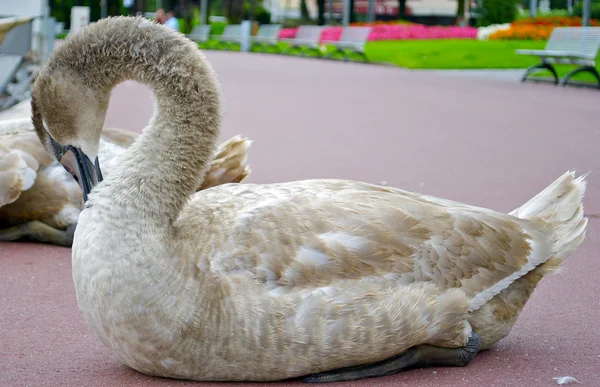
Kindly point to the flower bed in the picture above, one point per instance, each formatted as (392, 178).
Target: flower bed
(396, 31)
(537, 28)
(557, 21)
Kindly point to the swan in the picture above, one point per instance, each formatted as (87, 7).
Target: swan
(319, 279)
(40, 201)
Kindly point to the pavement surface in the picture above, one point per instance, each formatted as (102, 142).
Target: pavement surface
(492, 144)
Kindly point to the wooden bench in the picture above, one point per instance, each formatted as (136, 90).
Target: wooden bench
(200, 33)
(232, 35)
(568, 45)
(267, 36)
(307, 39)
(353, 39)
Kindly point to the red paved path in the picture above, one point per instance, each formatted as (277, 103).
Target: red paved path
(484, 142)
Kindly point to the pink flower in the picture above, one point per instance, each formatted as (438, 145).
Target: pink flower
(396, 32)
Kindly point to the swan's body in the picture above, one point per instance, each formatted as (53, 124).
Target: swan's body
(267, 282)
(40, 200)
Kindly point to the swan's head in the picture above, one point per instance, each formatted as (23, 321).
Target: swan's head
(68, 117)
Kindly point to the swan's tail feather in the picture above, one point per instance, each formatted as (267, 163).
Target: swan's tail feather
(557, 229)
(560, 205)
(229, 164)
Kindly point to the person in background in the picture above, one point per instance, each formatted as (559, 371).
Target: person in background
(159, 16)
(172, 21)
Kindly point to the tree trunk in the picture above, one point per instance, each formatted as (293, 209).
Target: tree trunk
(321, 12)
(352, 12)
(252, 6)
(401, 9)
(460, 12)
(304, 11)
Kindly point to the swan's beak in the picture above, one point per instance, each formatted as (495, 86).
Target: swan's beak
(86, 173)
(79, 165)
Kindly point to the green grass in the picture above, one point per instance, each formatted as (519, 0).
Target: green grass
(452, 53)
(462, 54)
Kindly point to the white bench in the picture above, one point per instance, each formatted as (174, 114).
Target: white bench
(267, 36)
(307, 39)
(200, 33)
(568, 45)
(353, 39)
(232, 35)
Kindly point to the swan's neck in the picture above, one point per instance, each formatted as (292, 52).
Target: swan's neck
(166, 164)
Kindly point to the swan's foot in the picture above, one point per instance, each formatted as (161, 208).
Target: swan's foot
(39, 232)
(421, 356)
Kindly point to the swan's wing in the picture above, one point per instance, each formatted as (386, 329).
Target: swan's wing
(313, 234)
(21, 158)
(20, 110)
(120, 137)
(18, 172)
(229, 164)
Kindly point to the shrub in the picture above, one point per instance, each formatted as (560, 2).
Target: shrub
(557, 21)
(538, 28)
(594, 9)
(523, 32)
(498, 11)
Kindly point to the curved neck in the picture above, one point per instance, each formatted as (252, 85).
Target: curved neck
(166, 164)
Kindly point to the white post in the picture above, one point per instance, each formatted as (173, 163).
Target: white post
(346, 12)
(246, 31)
(203, 11)
(466, 14)
(532, 8)
(371, 14)
(103, 9)
(586, 13)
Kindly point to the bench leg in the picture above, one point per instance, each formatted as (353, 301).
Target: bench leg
(578, 70)
(542, 65)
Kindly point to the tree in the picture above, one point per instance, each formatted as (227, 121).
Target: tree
(304, 11)
(401, 9)
(321, 12)
(460, 12)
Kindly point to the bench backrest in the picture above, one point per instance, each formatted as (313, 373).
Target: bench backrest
(582, 40)
(269, 30)
(309, 33)
(232, 30)
(356, 35)
(202, 31)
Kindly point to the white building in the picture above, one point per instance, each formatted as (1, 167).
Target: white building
(290, 9)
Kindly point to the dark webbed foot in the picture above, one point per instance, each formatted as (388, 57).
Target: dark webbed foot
(421, 356)
(39, 232)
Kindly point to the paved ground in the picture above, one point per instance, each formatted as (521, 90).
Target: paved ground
(492, 144)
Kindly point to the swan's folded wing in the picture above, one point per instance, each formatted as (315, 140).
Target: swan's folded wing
(121, 137)
(18, 172)
(315, 233)
(20, 110)
(21, 157)
(229, 164)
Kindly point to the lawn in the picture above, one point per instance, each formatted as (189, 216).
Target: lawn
(460, 54)
(453, 53)
(463, 54)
